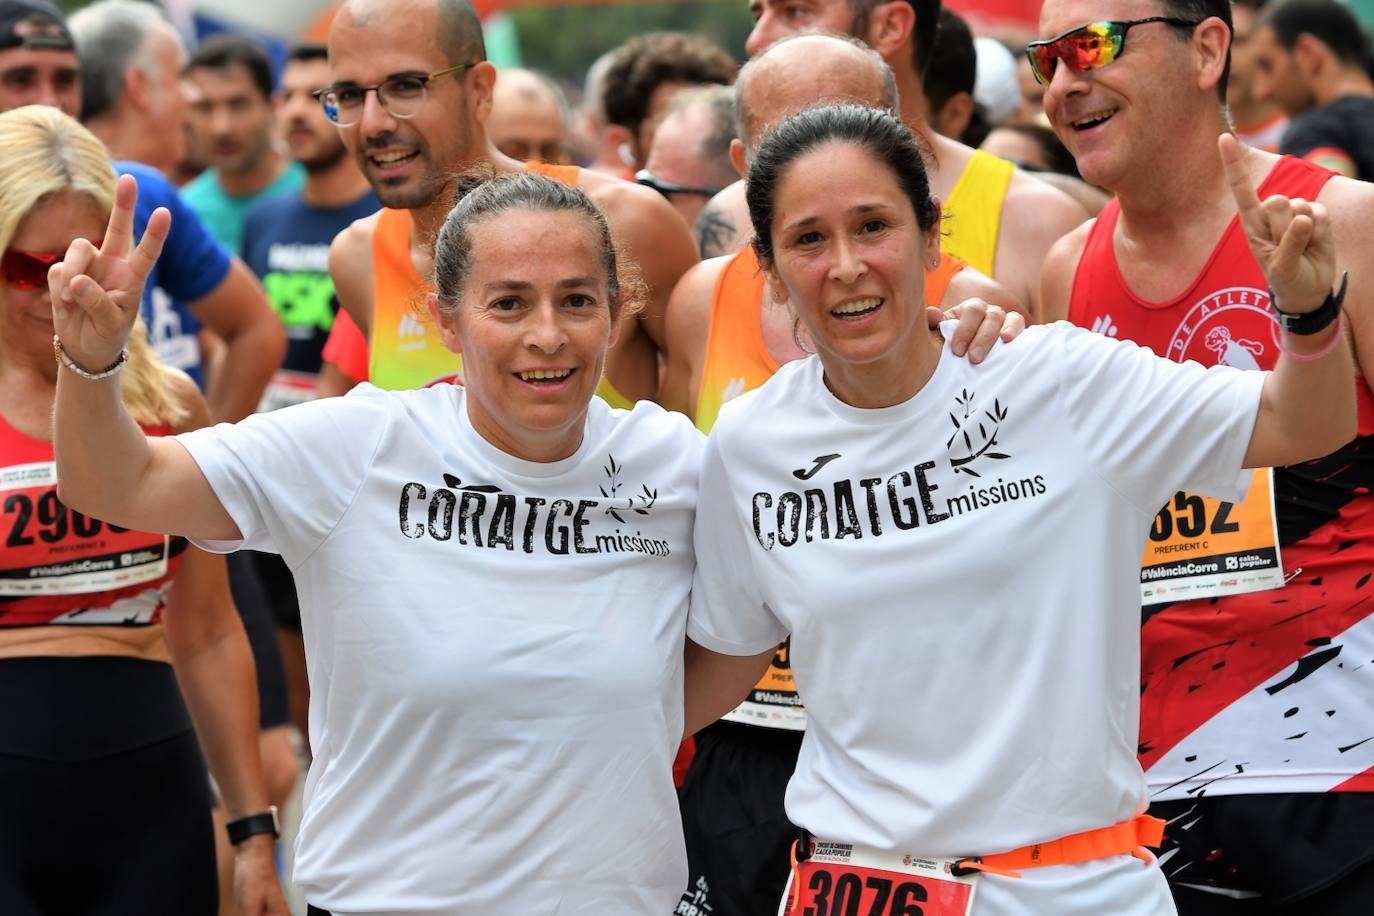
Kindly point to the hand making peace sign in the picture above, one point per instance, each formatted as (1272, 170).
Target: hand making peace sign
(96, 292)
(1290, 238)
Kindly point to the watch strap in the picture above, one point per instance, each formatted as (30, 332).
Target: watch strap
(1317, 320)
(242, 828)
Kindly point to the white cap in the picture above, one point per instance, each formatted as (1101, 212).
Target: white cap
(996, 87)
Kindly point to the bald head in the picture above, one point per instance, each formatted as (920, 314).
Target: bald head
(805, 70)
(529, 117)
(458, 28)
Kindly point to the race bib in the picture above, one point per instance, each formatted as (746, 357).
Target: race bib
(840, 880)
(53, 550)
(1206, 548)
(286, 388)
(773, 703)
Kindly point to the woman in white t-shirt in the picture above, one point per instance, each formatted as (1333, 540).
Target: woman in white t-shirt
(954, 718)
(493, 579)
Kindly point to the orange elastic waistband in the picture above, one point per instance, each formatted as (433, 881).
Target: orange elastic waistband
(1127, 837)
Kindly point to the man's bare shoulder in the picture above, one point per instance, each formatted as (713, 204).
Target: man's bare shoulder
(1056, 276)
(350, 268)
(1039, 210)
(724, 226)
(356, 237)
(1350, 201)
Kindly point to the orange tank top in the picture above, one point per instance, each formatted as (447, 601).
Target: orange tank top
(736, 358)
(405, 350)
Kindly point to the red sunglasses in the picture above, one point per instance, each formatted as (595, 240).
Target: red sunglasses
(29, 269)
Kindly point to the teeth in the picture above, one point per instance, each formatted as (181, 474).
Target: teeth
(390, 158)
(536, 374)
(1095, 119)
(858, 305)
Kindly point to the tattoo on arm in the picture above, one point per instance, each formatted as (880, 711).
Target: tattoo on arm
(714, 232)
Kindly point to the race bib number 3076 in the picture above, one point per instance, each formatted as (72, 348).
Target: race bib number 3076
(840, 881)
(1206, 548)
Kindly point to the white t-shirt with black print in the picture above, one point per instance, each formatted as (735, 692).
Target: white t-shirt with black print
(494, 649)
(960, 576)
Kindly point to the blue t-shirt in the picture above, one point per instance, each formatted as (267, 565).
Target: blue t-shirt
(286, 243)
(224, 214)
(191, 266)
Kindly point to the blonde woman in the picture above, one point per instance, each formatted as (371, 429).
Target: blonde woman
(100, 774)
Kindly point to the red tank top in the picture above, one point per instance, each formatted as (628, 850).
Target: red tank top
(1225, 673)
(61, 567)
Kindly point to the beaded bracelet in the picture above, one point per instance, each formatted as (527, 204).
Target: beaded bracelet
(64, 360)
(1311, 357)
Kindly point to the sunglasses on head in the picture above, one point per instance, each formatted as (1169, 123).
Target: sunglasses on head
(29, 269)
(1088, 47)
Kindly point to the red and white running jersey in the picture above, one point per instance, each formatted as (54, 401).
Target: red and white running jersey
(1267, 691)
(62, 567)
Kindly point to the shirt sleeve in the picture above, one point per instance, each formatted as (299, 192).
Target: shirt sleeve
(346, 348)
(728, 613)
(1152, 426)
(192, 262)
(287, 477)
(1314, 131)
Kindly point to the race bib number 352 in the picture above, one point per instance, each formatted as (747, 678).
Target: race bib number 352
(1206, 548)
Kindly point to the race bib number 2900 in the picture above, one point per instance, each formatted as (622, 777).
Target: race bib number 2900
(840, 881)
(1206, 548)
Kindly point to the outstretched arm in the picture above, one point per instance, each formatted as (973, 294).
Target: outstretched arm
(106, 467)
(1307, 407)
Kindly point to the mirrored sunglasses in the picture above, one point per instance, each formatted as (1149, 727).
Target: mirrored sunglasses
(1088, 47)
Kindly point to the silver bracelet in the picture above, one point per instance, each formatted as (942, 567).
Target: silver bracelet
(64, 360)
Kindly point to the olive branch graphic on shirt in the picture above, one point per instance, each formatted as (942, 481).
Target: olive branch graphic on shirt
(987, 432)
(639, 503)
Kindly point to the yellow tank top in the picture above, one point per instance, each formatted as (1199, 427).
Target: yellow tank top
(974, 211)
(737, 360)
(405, 350)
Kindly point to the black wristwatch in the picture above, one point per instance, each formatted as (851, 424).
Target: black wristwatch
(1317, 320)
(242, 828)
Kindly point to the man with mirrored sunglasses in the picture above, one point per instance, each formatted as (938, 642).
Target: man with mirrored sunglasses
(1254, 705)
(411, 91)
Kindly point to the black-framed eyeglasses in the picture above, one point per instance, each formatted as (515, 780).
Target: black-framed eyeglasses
(650, 180)
(400, 95)
(1089, 47)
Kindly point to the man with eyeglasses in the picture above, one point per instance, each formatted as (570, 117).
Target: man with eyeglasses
(689, 161)
(411, 92)
(999, 221)
(1255, 713)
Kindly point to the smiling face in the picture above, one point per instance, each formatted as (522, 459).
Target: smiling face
(1116, 120)
(849, 253)
(408, 162)
(533, 328)
(26, 314)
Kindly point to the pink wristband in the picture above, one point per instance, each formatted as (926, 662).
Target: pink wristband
(1310, 357)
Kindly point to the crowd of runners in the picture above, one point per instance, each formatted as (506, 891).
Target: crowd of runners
(900, 474)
